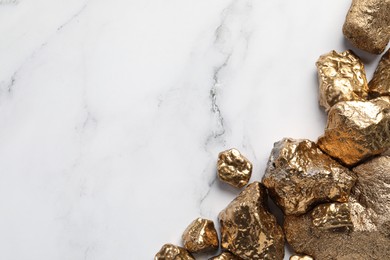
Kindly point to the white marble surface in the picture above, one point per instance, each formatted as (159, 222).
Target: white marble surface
(112, 113)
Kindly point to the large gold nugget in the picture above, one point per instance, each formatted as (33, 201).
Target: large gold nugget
(172, 252)
(225, 256)
(357, 130)
(234, 168)
(301, 257)
(367, 25)
(342, 77)
(299, 175)
(248, 229)
(200, 236)
(380, 83)
(369, 212)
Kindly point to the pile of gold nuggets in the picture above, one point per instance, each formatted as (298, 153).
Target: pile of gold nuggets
(335, 193)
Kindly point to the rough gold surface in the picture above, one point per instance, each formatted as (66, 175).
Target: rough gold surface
(380, 83)
(357, 130)
(225, 256)
(200, 236)
(367, 25)
(342, 78)
(234, 168)
(172, 252)
(299, 175)
(369, 236)
(331, 216)
(248, 229)
(301, 257)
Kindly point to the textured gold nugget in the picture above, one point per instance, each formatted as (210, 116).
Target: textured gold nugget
(342, 78)
(369, 213)
(248, 230)
(299, 175)
(301, 257)
(380, 83)
(172, 252)
(367, 25)
(233, 168)
(357, 130)
(225, 256)
(200, 236)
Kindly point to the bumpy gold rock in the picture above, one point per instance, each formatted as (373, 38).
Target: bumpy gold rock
(367, 25)
(332, 215)
(248, 230)
(233, 168)
(357, 130)
(299, 175)
(225, 256)
(301, 257)
(369, 213)
(172, 252)
(342, 78)
(200, 236)
(380, 83)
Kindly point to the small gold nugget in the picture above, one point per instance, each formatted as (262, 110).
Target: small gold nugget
(357, 130)
(367, 25)
(225, 256)
(299, 175)
(342, 78)
(248, 229)
(301, 257)
(233, 168)
(358, 231)
(200, 236)
(172, 252)
(380, 83)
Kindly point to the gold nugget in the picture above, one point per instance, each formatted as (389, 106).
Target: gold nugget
(248, 229)
(200, 236)
(357, 130)
(380, 83)
(342, 78)
(225, 256)
(360, 231)
(367, 25)
(301, 257)
(233, 168)
(299, 175)
(172, 252)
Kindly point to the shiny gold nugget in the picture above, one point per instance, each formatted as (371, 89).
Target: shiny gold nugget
(200, 236)
(234, 168)
(225, 256)
(301, 257)
(341, 77)
(369, 213)
(172, 252)
(380, 83)
(357, 130)
(248, 230)
(299, 175)
(367, 25)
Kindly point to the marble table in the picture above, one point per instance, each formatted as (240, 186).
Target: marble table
(112, 113)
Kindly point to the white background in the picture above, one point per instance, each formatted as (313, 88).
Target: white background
(112, 113)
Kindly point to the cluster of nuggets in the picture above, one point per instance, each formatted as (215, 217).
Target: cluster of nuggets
(334, 193)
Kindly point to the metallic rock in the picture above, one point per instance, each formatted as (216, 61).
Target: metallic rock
(342, 78)
(225, 256)
(367, 25)
(369, 211)
(248, 229)
(200, 236)
(331, 216)
(172, 252)
(380, 83)
(233, 168)
(301, 257)
(299, 176)
(357, 130)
